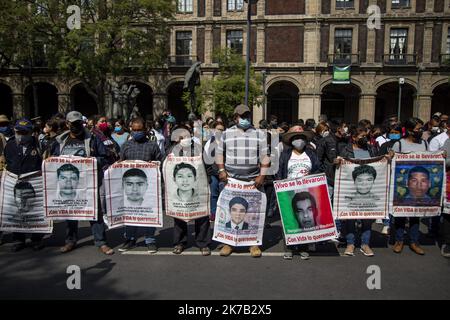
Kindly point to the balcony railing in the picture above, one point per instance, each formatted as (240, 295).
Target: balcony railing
(343, 59)
(397, 59)
(349, 4)
(182, 60)
(445, 60)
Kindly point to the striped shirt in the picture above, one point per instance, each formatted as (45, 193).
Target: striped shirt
(243, 152)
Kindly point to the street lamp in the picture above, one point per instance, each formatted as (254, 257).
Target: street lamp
(401, 81)
(247, 62)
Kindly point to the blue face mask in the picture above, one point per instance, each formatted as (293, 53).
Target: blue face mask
(5, 130)
(244, 123)
(394, 136)
(118, 129)
(139, 136)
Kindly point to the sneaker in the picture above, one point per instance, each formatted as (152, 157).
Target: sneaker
(304, 255)
(205, 251)
(385, 230)
(365, 249)
(226, 250)
(18, 247)
(445, 251)
(379, 221)
(255, 251)
(178, 249)
(152, 248)
(350, 250)
(288, 255)
(128, 245)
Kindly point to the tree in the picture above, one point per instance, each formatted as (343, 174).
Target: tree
(227, 89)
(115, 38)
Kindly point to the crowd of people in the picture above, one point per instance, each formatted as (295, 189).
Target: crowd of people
(303, 148)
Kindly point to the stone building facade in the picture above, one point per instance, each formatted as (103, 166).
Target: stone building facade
(295, 44)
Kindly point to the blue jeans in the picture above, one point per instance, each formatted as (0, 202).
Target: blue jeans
(350, 230)
(216, 187)
(387, 222)
(132, 231)
(413, 229)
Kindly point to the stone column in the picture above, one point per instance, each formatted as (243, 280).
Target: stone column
(18, 105)
(311, 44)
(424, 107)
(260, 45)
(208, 44)
(64, 103)
(367, 107)
(309, 106)
(159, 104)
(427, 42)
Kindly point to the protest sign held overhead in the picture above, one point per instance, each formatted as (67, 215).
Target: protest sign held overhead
(240, 214)
(187, 194)
(70, 188)
(22, 203)
(305, 209)
(417, 184)
(362, 189)
(133, 194)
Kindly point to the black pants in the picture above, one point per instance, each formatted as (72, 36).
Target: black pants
(35, 237)
(445, 229)
(180, 233)
(98, 229)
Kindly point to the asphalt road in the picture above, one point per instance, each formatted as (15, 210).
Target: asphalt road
(138, 275)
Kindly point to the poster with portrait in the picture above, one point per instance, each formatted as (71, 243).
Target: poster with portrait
(133, 194)
(361, 189)
(305, 209)
(418, 184)
(70, 188)
(22, 203)
(240, 215)
(446, 207)
(186, 185)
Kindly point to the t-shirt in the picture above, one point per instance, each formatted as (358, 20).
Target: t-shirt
(74, 147)
(120, 138)
(409, 146)
(299, 165)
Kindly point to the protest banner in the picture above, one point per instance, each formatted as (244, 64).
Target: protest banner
(305, 209)
(133, 194)
(70, 188)
(418, 184)
(187, 194)
(240, 214)
(446, 208)
(22, 204)
(361, 189)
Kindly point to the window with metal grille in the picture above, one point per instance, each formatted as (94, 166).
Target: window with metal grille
(235, 5)
(235, 41)
(400, 3)
(398, 44)
(345, 4)
(184, 6)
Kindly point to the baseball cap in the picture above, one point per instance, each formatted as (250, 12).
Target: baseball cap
(74, 116)
(24, 125)
(241, 109)
(437, 116)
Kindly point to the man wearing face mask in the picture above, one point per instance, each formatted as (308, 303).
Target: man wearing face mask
(140, 148)
(22, 156)
(78, 141)
(103, 132)
(243, 154)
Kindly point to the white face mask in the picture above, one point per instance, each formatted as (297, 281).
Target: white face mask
(299, 144)
(185, 143)
(325, 134)
(345, 130)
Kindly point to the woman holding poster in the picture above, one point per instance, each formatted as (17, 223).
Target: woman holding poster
(411, 142)
(297, 161)
(358, 148)
(185, 176)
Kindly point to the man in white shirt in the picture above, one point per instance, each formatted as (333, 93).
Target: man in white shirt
(437, 142)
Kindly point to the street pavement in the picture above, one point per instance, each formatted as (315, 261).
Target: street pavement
(139, 275)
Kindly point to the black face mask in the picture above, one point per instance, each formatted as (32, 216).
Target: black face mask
(417, 135)
(362, 143)
(76, 128)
